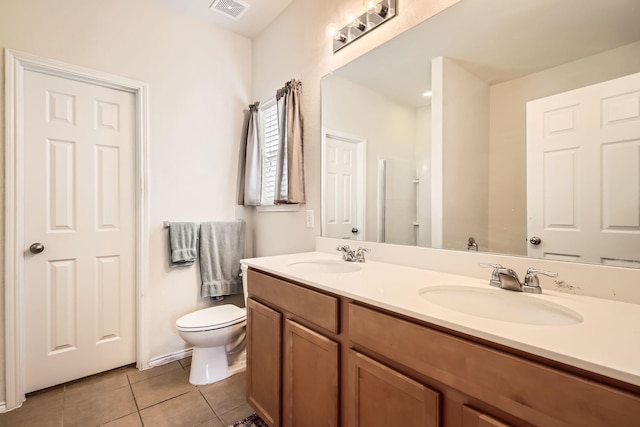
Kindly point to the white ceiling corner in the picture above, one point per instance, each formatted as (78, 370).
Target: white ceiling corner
(259, 15)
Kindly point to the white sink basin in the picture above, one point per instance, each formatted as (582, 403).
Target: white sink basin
(500, 304)
(325, 266)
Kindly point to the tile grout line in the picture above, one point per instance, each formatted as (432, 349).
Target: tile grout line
(199, 388)
(155, 404)
(215, 414)
(134, 400)
(64, 402)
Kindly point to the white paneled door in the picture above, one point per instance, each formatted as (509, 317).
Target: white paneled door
(343, 189)
(79, 284)
(583, 174)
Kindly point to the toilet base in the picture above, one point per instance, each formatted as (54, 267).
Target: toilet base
(208, 365)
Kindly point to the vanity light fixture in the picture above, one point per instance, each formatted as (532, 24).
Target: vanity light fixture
(337, 36)
(377, 13)
(358, 24)
(380, 8)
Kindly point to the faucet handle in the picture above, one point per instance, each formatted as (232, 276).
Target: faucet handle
(545, 272)
(531, 281)
(487, 264)
(347, 253)
(495, 279)
(360, 254)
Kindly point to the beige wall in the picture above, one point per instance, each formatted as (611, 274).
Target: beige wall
(461, 102)
(296, 46)
(200, 82)
(508, 192)
(389, 129)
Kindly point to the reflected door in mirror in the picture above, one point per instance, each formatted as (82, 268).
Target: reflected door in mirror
(343, 188)
(583, 151)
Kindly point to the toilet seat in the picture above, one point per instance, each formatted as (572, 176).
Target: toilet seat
(212, 318)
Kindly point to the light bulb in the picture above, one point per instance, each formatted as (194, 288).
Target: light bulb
(356, 23)
(331, 30)
(380, 9)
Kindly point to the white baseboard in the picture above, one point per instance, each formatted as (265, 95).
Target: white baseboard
(171, 357)
(3, 407)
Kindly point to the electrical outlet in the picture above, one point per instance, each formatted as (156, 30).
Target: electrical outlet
(309, 218)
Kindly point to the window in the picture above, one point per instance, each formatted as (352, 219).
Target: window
(270, 138)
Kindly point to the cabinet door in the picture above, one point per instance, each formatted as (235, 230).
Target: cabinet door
(310, 378)
(264, 329)
(474, 418)
(380, 396)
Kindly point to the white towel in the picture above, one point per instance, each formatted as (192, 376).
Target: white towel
(221, 248)
(183, 238)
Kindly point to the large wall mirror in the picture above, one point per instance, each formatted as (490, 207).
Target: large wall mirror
(506, 126)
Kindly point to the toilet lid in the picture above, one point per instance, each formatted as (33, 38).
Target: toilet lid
(212, 318)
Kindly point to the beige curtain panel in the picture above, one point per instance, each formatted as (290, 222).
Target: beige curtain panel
(290, 164)
(251, 176)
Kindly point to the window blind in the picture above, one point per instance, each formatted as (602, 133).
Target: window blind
(271, 132)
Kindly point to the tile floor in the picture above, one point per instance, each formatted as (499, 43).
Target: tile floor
(126, 397)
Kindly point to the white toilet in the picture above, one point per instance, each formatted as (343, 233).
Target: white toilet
(213, 332)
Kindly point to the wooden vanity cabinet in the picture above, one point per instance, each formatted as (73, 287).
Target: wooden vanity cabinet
(317, 359)
(292, 361)
(523, 391)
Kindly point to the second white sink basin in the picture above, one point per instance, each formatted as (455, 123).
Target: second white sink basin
(500, 304)
(325, 266)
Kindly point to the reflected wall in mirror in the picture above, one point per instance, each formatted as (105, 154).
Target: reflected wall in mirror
(529, 142)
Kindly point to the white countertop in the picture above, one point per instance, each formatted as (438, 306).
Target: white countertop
(606, 342)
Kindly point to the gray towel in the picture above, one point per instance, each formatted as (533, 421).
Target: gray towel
(221, 248)
(183, 239)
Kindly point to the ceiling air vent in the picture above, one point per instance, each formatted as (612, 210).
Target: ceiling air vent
(233, 9)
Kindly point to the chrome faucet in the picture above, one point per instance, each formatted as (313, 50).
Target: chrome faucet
(506, 278)
(509, 279)
(347, 253)
(350, 256)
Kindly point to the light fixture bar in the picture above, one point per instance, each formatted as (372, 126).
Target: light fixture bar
(377, 14)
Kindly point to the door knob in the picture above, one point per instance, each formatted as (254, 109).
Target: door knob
(535, 240)
(36, 248)
(354, 230)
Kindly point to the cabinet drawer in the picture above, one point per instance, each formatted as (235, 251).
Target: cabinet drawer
(528, 390)
(315, 307)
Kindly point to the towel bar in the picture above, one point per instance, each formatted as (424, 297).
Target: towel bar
(167, 224)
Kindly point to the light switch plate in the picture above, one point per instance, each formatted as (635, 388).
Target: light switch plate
(309, 218)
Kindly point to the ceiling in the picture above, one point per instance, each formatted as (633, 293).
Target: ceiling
(259, 15)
